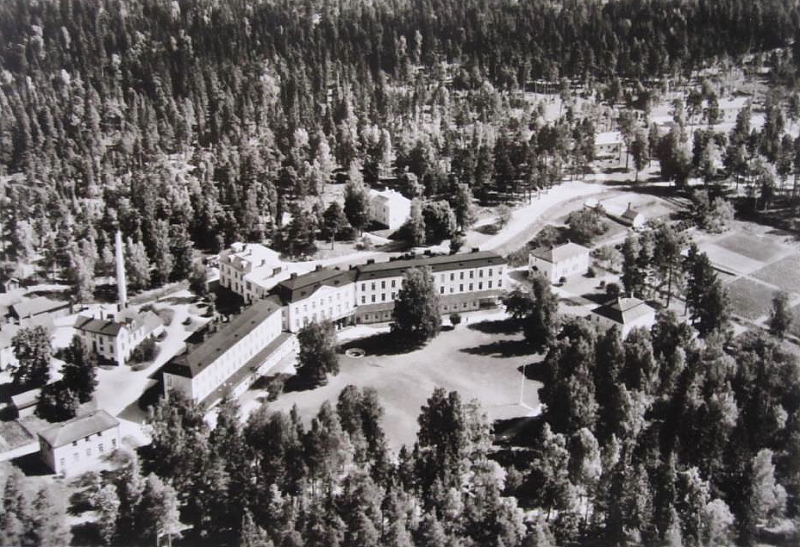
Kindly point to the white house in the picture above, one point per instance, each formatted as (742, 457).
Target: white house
(251, 270)
(389, 207)
(608, 149)
(557, 262)
(626, 313)
(77, 444)
(115, 338)
(232, 356)
(633, 218)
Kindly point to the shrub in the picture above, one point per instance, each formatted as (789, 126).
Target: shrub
(275, 387)
(562, 280)
(518, 258)
(590, 272)
(166, 315)
(602, 283)
(613, 290)
(147, 350)
(455, 319)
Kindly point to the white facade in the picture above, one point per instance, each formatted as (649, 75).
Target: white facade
(564, 261)
(389, 207)
(327, 303)
(116, 340)
(608, 149)
(77, 445)
(250, 270)
(224, 354)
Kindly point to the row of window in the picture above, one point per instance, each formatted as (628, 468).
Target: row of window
(471, 286)
(76, 456)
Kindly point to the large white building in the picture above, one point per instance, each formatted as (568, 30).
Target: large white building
(389, 207)
(232, 355)
(76, 445)
(324, 294)
(115, 338)
(465, 282)
(251, 270)
(557, 262)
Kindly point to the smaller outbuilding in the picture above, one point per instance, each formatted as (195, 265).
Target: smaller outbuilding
(389, 207)
(25, 403)
(34, 308)
(627, 313)
(556, 262)
(633, 218)
(78, 444)
(8, 284)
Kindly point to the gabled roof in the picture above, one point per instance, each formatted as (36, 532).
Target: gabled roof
(624, 310)
(443, 263)
(192, 362)
(393, 197)
(105, 327)
(630, 213)
(79, 427)
(302, 286)
(608, 137)
(36, 306)
(253, 255)
(554, 255)
(26, 399)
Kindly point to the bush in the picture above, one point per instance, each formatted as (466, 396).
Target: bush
(275, 387)
(455, 319)
(613, 290)
(166, 315)
(562, 280)
(518, 258)
(602, 283)
(590, 272)
(147, 350)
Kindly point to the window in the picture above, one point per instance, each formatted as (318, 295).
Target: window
(393, 295)
(383, 284)
(393, 282)
(74, 443)
(480, 273)
(499, 282)
(461, 288)
(464, 305)
(89, 451)
(472, 274)
(366, 317)
(480, 285)
(100, 447)
(363, 286)
(490, 272)
(490, 284)
(461, 275)
(113, 443)
(373, 298)
(373, 286)
(363, 299)
(441, 290)
(62, 462)
(383, 297)
(470, 286)
(452, 276)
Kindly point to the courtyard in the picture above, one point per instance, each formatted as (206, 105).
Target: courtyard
(481, 360)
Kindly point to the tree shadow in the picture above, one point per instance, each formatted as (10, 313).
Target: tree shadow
(383, 343)
(32, 465)
(496, 326)
(488, 229)
(86, 534)
(521, 431)
(298, 383)
(532, 371)
(597, 297)
(500, 348)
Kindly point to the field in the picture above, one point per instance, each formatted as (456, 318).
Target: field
(754, 248)
(479, 360)
(749, 298)
(785, 273)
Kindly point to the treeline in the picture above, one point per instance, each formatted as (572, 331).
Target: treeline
(202, 123)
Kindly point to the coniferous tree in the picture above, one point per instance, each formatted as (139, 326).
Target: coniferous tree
(32, 349)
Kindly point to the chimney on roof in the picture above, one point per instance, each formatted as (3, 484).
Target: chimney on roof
(318, 267)
(263, 261)
(371, 261)
(475, 249)
(276, 271)
(293, 276)
(427, 252)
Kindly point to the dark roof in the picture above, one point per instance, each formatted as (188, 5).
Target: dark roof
(36, 306)
(190, 363)
(442, 263)
(303, 286)
(623, 310)
(105, 327)
(245, 370)
(78, 428)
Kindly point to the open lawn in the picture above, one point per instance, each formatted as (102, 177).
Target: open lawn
(479, 360)
(729, 260)
(785, 273)
(755, 248)
(749, 298)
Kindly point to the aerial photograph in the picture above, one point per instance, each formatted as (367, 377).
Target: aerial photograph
(400, 273)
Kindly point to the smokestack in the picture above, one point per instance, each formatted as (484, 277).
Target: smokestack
(122, 291)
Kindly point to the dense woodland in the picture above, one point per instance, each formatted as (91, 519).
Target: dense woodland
(194, 124)
(200, 123)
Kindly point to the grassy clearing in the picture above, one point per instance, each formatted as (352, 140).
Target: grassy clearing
(479, 360)
(785, 273)
(751, 247)
(750, 299)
